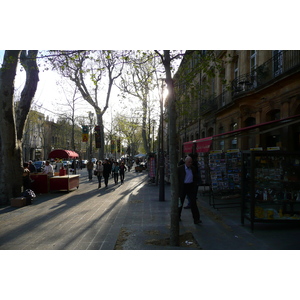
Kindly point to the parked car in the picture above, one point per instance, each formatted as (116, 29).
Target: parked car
(139, 168)
(83, 163)
(67, 163)
(39, 165)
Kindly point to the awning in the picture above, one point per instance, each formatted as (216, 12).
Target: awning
(277, 124)
(203, 145)
(188, 147)
(60, 153)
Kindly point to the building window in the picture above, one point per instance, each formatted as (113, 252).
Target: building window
(236, 69)
(222, 144)
(233, 127)
(252, 60)
(253, 67)
(223, 95)
(212, 85)
(250, 121)
(277, 62)
(234, 143)
(273, 115)
(210, 132)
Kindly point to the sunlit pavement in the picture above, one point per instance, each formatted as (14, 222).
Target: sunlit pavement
(87, 218)
(131, 213)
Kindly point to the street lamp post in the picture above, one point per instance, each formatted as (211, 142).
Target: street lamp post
(91, 119)
(153, 127)
(91, 142)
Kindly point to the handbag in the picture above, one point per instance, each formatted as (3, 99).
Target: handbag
(95, 172)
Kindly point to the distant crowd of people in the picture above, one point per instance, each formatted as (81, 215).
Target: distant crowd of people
(102, 169)
(109, 168)
(188, 177)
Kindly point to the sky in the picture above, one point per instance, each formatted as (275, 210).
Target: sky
(50, 97)
(206, 26)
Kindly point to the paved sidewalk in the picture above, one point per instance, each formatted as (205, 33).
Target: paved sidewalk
(129, 217)
(87, 218)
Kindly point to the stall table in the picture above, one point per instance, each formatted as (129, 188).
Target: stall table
(39, 183)
(64, 183)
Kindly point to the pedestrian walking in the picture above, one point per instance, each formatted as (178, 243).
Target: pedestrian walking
(113, 163)
(90, 167)
(116, 172)
(99, 170)
(106, 171)
(129, 164)
(122, 171)
(195, 164)
(188, 186)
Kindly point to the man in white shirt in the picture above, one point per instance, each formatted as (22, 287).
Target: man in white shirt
(188, 186)
(48, 169)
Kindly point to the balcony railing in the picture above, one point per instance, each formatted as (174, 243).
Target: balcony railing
(214, 103)
(207, 105)
(223, 99)
(280, 64)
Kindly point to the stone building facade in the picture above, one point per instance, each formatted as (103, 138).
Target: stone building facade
(241, 98)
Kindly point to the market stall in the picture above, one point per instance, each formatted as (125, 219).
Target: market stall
(63, 181)
(225, 178)
(39, 183)
(219, 171)
(271, 192)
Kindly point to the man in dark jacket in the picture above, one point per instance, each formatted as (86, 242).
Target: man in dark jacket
(106, 171)
(90, 167)
(188, 186)
(31, 167)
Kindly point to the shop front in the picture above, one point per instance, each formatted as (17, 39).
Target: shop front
(283, 133)
(263, 180)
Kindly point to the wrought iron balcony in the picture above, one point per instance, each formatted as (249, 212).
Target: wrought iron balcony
(223, 99)
(278, 66)
(208, 105)
(283, 64)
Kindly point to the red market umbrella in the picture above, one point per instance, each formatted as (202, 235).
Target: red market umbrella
(60, 153)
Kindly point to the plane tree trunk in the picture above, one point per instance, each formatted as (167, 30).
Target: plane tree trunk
(13, 118)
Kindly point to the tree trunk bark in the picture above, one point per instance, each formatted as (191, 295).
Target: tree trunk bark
(174, 230)
(100, 123)
(10, 171)
(144, 126)
(11, 124)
